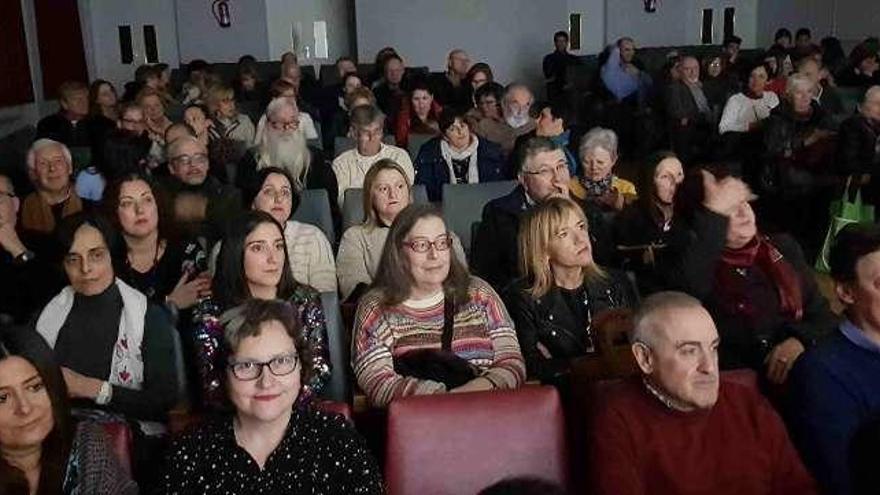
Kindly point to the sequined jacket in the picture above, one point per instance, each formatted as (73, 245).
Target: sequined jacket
(547, 330)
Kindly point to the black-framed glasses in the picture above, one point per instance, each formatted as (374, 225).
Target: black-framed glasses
(422, 244)
(252, 370)
(199, 159)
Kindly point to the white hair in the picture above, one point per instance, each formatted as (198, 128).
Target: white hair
(41, 144)
(290, 152)
(598, 137)
(798, 81)
(646, 321)
(871, 93)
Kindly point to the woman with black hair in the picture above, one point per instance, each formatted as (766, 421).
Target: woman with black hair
(114, 346)
(41, 451)
(419, 114)
(253, 264)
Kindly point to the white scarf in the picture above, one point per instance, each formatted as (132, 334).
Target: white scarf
(127, 366)
(470, 152)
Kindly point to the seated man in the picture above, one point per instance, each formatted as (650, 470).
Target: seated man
(824, 91)
(857, 151)
(350, 167)
(28, 282)
(392, 90)
(200, 201)
(621, 74)
(863, 69)
(450, 88)
(542, 173)
(50, 166)
(834, 386)
(691, 118)
(72, 125)
(676, 429)
(515, 106)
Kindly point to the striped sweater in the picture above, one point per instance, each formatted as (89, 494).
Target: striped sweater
(482, 333)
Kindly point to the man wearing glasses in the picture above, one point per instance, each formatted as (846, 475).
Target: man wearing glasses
(201, 201)
(542, 173)
(27, 282)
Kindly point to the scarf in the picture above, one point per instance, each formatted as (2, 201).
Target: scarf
(759, 254)
(597, 187)
(469, 153)
(127, 365)
(699, 98)
(36, 214)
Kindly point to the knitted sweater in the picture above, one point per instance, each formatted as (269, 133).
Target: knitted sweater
(483, 334)
(351, 167)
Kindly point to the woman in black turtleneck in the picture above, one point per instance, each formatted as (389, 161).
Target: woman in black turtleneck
(115, 348)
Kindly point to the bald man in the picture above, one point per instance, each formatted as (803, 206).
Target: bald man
(451, 88)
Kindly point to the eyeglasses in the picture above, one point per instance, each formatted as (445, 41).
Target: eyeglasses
(95, 255)
(252, 370)
(274, 194)
(285, 126)
(199, 159)
(423, 245)
(548, 173)
(368, 133)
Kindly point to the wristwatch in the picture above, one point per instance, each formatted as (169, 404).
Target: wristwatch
(105, 394)
(24, 257)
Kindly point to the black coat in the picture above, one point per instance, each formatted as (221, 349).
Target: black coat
(550, 322)
(696, 250)
(637, 226)
(433, 172)
(224, 203)
(858, 152)
(494, 255)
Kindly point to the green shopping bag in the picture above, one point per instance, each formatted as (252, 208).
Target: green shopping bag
(843, 212)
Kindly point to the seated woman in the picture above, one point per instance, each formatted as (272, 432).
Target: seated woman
(334, 114)
(457, 156)
(427, 326)
(268, 444)
(744, 115)
(114, 346)
(562, 290)
(253, 264)
(758, 288)
(150, 100)
(597, 184)
(717, 83)
(479, 74)
(41, 450)
(231, 132)
(309, 252)
(642, 230)
(418, 114)
(386, 193)
(341, 124)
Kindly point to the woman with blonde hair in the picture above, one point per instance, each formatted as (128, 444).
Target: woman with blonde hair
(562, 289)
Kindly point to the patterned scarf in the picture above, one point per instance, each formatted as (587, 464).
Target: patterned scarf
(598, 187)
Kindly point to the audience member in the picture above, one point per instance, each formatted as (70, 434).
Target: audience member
(28, 281)
(552, 122)
(427, 326)
(103, 102)
(858, 147)
(201, 202)
(479, 74)
(450, 88)
(231, 133)
(782, 40)
(779, 62)
(562, 290)
(680, 427)
(803, 44)
(267, 443)
(335, 107)
(247, 85)
(863, 69)
(824, 90)
(621, 74)
(341, 124)
(49, 165)
(515, 119)
(744, 112)
(832, 388)
(736, 65)
(690, 117)
(123, 152)
(487, 101)
(71, 125)
(717, 83)
(556, 66)
(382, 56)
(132, 119)
(157, 123)
(457, 156)
(643, 230)
(758, 288)
(391, 90)
(41, 449)
(419, 114)
(196, 117)
(283, 88)
(833, 57)
(367, 124)
(196, 86)
(115, 346)
(598, 185)
(253, 264)
(309, 251)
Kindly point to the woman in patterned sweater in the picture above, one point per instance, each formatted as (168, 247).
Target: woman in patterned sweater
(418, 283)
(253, 264)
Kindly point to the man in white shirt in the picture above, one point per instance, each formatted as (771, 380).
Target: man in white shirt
(350, 167)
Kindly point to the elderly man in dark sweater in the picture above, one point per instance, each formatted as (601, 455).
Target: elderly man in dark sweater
(834, 388)
(682, 429)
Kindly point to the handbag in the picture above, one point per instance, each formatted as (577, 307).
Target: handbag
(842, 213)
(439, 365)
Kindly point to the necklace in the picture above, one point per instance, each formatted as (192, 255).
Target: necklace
(150, 274)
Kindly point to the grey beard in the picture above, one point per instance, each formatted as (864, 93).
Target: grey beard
(287, 151)
(516, 121)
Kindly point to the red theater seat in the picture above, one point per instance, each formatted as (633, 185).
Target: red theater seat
(119, 436)
(462, 443)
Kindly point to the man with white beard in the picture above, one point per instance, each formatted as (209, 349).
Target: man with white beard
(283, 144)
(515, 107)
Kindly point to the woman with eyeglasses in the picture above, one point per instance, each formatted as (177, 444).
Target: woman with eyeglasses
(268, 444)
(253, 264)
(427, 326)
(562, 290)
(114, 346)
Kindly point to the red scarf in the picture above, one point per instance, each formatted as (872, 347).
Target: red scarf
(759, 254)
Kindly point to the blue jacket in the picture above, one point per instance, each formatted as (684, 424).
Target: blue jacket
(433, 172)
(833, 389)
